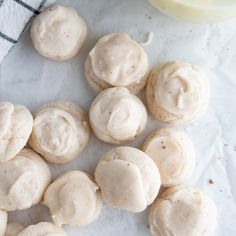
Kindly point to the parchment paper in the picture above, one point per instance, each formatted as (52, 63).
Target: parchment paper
(29, 79)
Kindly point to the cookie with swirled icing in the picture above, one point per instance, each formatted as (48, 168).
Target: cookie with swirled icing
(73, 199)
(177, 92)
(117, 61)
(60, 131)
(173, 152)
(117, 116)
(182, 211)
(58, 33)
(128, 178)
(43, 229)
(23, 181)
(16, 124)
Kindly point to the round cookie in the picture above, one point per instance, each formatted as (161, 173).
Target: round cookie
(13, 229)
(60, 131)
(177, 92)
(128, 179)
(117, 61)
(23, 181)
(182, 211)
(43, 229)
(16, 124)
(173, 153)
(3, 222)
(58, 33)
(117, 116)
(73, 199)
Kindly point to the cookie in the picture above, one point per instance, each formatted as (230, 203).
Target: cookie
(128, 179)
(60, 131)
(73, 199)
(173, 152)
(16, 124)
(177, 93)
(58, 33)
(43, 229)
(117, 116)
(23, 181)
(182, 211)
(117, 61)
(13, 229)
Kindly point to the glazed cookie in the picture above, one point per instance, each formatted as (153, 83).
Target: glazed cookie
(73, 199)
(43, 229)
(3, 222)
(13, 229)
(117, 61)
(173, 153)
(60, 131)
(15, 127)
(23, 181)
(58, 33)
(177, 93)
(182, 212)
(128, 179)
(117, 116)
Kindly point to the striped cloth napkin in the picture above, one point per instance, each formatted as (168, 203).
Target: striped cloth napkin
(14, 18)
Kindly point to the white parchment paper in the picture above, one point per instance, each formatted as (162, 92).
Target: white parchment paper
(29, 79)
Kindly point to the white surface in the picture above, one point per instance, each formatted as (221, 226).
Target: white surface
(29, 79)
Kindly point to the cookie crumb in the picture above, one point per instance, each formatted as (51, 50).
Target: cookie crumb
(210, 181)
(149, 38)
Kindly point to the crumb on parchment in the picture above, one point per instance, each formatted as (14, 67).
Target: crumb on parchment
(210, 181)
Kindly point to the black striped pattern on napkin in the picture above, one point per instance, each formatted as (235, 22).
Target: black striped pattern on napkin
(14, 18)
